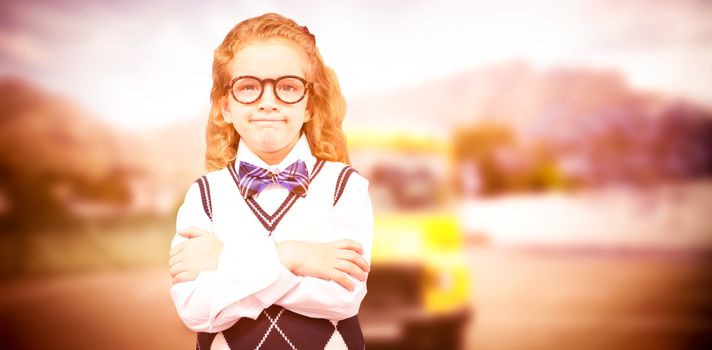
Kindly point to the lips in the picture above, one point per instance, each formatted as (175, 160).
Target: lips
(267, 120)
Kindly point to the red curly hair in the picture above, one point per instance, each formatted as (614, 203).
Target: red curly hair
(326, 105)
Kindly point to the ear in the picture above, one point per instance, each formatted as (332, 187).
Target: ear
(225, 110)
(307, 116)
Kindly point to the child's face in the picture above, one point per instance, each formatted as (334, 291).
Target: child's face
(268, 126)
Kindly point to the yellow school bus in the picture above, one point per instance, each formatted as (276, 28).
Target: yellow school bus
(418, 287)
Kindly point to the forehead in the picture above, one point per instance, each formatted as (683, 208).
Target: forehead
(270, 59)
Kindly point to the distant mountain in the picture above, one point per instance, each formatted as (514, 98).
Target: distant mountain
(58, 162)
(567, 125)
(512, 93)
(53, 155)
(44, 134)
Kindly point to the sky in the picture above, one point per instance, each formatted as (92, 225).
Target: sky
(145, 64)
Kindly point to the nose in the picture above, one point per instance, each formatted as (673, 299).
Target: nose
(268, 100)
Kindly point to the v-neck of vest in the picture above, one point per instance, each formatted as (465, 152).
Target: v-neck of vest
(270, 222)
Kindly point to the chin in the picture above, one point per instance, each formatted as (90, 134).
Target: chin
(271, 147)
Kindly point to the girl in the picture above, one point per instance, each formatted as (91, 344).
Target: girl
(273, 244)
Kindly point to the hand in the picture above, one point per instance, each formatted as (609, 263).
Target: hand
(333, 261)
(200, 252)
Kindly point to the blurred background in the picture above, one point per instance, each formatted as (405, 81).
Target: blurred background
(541, 171)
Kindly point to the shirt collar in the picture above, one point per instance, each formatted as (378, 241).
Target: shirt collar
(300, 150)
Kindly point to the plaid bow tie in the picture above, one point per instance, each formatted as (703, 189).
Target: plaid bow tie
(254, 179)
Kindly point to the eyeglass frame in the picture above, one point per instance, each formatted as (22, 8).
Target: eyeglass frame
(308, 85)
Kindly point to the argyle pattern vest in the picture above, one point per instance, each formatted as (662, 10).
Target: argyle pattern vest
(277, 327)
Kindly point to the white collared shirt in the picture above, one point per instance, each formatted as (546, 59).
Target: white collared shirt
(249, 277)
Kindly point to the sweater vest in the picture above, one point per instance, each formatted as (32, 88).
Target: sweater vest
(277, 327)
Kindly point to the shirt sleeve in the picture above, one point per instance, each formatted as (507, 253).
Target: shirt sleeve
(241, 286)
(353, 219)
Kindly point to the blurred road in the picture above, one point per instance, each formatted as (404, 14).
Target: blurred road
(590, 300)
(114, 310)
(525, 300)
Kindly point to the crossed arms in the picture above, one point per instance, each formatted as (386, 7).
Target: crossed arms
(215, 283)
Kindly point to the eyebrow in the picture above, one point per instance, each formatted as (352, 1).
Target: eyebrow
(270, 77)
(274, 76)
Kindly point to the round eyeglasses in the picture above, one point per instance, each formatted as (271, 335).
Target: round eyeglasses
(289, 89)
